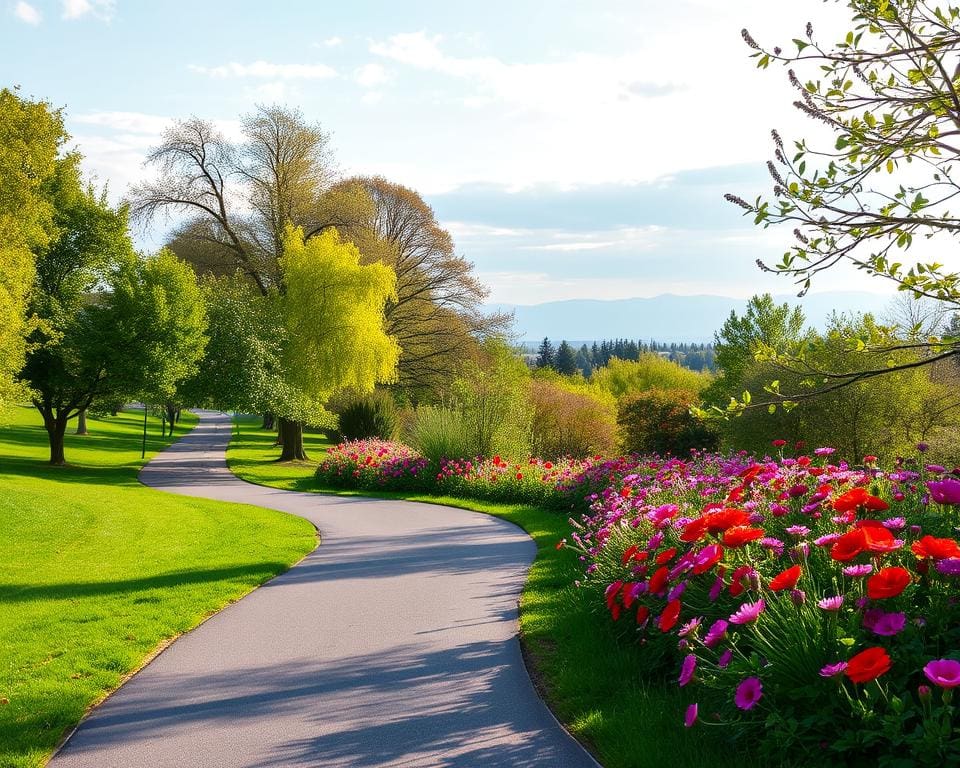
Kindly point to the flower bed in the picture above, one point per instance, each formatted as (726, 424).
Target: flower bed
(809, 609)
(374, 465)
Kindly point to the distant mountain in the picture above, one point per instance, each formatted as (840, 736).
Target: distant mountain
(667, 317)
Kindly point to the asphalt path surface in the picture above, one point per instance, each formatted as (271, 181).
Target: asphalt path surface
(394, 643)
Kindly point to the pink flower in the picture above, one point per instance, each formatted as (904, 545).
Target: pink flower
(943, 672)
(832, 670)
(691, 717)
(748, 612)
(687, 669)
(857, 570)
(882, 623)
(690, 626)
(832, 603)
(716, 633)
(749, 692)
(826, 541)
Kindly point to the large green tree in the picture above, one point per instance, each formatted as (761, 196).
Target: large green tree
(335, 337)
(31, 135)
(890, 92)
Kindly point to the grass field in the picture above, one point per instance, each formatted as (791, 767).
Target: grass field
(99, 571)
(590, 678)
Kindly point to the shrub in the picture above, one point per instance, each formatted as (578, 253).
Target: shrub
(626, 377)
(439, 433)
(374, 465)
(659, 421)
(570, 423)
(372, 416)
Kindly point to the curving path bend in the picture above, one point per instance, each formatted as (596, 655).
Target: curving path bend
(394, 643)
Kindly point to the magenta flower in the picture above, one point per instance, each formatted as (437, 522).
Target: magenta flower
(749, 692)
(825, 541)
(691, 717)
(857, 570)
(798, 530)
(895, 523)
(725, 658)
(884, 624)
(832, 603)
(716, 633)
(946, 491)
(949, 566)
(823, 451)
(832, 670)
(748, 612)
(943, 672)
(687, 669)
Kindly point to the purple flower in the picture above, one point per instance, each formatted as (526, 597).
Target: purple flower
(748, 693)
(691, 717)
(832, 603)
(827, 540)
(895, 523)
(949, 566)
(823, 451)
(725, 658)
(832, 670)
(946, 491)
(716, 633)
(943, 672)
(748, 612)
(922, 447)
(797, 490)
(677, 591)
(716, 589)
(857, 570)
(687, 669)
(882, 623)
(798, 530)
(935, 469)
(798, 597)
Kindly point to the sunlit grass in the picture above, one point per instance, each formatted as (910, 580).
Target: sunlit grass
(98, 570)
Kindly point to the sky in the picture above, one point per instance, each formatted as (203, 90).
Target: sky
(574, 149)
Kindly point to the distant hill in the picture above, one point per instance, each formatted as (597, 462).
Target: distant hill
(667, 317)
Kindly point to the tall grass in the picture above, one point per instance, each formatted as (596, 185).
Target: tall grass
(439, 433)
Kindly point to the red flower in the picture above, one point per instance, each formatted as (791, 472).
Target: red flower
(659, 580)
(888, 582)
(694, 530)
(723, 519)
(610, 594)
(786, 579)
(643, 613)
(876, 538)
(736, 494)
(625, 492)
(519, 475)
(708, 557)
(779, 443)
(938, 549)
(736, 580)
(857, 498)
(666, 556)
(750, 473)
(631, 551)
(741, 534)
(669, 617)
(848, 546)
(868, 665)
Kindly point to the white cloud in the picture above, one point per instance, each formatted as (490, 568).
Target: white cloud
(371, 75)
(266, 69)
(75, 9)
(465, 230)
(333, 42)
(580, 246)
(132, 122)
(27, 13)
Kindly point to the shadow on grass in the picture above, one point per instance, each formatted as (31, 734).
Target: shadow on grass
(22, 593)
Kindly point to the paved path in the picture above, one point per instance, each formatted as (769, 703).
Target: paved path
(393, 644)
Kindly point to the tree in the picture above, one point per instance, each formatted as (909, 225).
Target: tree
(241, 365)
(31, 135)
(659, 421)
(890, 93)
(623, 377)
(565, 361)
(75, 354)
(165, 316)
(545, 354)
(333, 316)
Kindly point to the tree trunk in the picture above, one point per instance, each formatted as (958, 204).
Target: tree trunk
(291, 436)
(171, 416)
(268, 421)
(82, 422)
(56, 429)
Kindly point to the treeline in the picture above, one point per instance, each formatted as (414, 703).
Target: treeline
(567, 360)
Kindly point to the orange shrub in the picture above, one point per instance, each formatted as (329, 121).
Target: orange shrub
(570, 423)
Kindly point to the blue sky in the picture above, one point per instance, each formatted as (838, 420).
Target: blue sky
(574, 149)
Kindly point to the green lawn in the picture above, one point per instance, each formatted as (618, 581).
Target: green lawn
(100, 571)
(590, 678)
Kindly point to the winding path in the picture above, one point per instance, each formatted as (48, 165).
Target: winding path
(394, 643)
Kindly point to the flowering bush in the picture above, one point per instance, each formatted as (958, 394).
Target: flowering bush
(802, 605)
(374, 464)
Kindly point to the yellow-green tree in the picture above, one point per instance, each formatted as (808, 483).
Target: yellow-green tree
(31, 134)
(333, 315)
